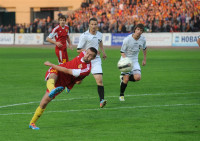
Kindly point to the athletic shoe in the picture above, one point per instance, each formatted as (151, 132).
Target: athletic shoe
(121, 98)
(103, 103)
(67, 90)
(32, 126)
(56, 91)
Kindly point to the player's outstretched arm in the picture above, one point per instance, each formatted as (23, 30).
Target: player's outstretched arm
(59, 68)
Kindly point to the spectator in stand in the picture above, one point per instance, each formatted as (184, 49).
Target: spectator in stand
(116, 11)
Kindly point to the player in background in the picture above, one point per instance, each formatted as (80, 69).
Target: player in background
(64, 75)
(61, 34)
(130, 48)
(93, 38)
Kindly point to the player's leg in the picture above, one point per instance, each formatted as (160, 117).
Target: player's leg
(53, 91)
(40, 109)
(64, 60)
(64, 56)
(100, 89)
(52, 78)
(135, 77)
(98, 76)
(136, 71)
(59, 54)
(123, 86)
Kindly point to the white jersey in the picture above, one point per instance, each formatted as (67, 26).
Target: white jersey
(88, 40)
(131, 47)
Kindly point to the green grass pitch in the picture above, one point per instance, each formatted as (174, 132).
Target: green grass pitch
(163, 106)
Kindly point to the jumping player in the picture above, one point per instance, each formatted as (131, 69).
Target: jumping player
(61, 34)
(64, 75)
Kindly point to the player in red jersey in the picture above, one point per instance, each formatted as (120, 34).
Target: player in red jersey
(61, 34)
(64, 75)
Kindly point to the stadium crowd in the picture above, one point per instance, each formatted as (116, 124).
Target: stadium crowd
(120, 16)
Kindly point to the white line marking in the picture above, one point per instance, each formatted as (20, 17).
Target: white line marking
(69, 99)
(116, 108)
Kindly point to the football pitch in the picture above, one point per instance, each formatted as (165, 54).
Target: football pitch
(163, 106)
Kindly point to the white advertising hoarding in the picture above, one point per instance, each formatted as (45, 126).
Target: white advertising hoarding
(29, 38)
(158, 39)
(106, 39)
(75, 38)
(6, 39)
(185, 39)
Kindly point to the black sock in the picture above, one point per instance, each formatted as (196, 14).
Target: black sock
(122, 88)
(131, 78)
(101, 92)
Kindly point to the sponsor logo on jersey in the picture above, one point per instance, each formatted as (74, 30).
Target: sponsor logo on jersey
(80, 66)
(53, 71)
(66, 30)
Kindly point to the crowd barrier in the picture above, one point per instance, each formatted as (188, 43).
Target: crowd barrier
(188, 39)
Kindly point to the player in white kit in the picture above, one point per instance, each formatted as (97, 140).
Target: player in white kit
(93, 38)
(130, 48)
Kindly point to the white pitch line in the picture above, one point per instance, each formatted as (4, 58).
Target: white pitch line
(116, 108)
(69, 99)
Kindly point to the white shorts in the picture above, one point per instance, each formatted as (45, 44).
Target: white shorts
(135, 70)
(96, 66)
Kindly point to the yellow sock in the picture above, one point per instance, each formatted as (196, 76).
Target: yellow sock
(50, 84)
(37, 114)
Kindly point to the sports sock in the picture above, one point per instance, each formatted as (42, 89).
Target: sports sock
(131, 78)
(101, 92)
(122, 88)
(37, 114)
(50, 84)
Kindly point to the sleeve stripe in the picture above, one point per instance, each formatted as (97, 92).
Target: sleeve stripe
(53, 31)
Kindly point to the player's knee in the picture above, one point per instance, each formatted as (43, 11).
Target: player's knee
(99, 82)
(137, 77)
(125, 80)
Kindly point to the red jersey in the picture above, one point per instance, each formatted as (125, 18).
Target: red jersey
(79, 68)
(60, 34)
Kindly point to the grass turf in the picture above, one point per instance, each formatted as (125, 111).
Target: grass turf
(164, 105)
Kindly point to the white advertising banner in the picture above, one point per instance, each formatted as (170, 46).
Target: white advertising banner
(75, 38)
(158, 39)
(185, 39)
(29, 38)
(107, 39)
(6, 39)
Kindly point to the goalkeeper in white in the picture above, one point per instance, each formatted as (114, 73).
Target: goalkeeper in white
(130, 48)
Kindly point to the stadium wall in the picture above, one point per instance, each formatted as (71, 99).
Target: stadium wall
(22, 8)
(188, 39)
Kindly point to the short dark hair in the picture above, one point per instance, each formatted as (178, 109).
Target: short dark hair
(93, 19)
(141, 26)
(61, 17)
(93, 50)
